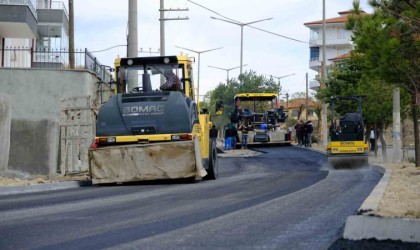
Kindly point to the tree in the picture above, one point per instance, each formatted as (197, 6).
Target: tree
(343, 80)
(389, 42)
(300, 111)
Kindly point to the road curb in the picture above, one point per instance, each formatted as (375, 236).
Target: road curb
(7, 190)
(359, 227)
(371, 203)
(365, 225)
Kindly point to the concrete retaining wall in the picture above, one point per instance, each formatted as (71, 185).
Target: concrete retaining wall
(5, 120)
(35, 147)
(36, 93)
(35, 96)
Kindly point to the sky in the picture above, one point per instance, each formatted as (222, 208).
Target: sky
(102, 24)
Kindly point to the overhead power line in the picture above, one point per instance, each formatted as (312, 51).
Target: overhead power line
(215, 12)
(266, 31)
(108, 48)
(272, 33)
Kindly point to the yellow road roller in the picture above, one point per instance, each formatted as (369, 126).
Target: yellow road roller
(346, 148)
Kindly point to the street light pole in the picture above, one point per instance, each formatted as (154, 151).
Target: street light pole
(242, 49)
(287, 95)
(242, 33)
(227, 71)
(280, 77)
(198, 75)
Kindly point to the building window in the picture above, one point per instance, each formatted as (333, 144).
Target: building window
(295, 113)
(314, 53)
(315, 34)
(343, 34)
(310, 112)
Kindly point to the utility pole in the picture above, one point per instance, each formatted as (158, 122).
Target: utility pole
(323, 78)
(162, 28)
(306, 99)
(132, 42)
(396, 127)
(324, 46)
(162, 20)
(71, 34)
(132, 46)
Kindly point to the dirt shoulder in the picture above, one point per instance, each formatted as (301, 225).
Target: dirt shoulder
(12, 178)
(402, 195)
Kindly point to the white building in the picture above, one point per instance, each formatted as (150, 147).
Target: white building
(28, 25)
(338, 42)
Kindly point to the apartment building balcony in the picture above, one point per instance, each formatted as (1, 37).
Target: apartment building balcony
(315, 64)
(314, 85)
(331, 42)
(53, 25)
(52, 12)
(18, 19)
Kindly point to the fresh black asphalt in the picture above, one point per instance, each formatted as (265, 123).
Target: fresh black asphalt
(283, 199)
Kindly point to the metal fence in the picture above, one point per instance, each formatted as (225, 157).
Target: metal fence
(25, 57)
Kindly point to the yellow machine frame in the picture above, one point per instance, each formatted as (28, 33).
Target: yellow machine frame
(345, 152)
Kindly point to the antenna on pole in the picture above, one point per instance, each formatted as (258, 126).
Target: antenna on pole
(162, 20)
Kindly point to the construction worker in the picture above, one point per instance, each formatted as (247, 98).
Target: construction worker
(244, 127)
(213, 133)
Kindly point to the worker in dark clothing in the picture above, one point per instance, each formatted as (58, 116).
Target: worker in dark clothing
(235, 137)
(299, 130)
(228, 138)
(244, 130)
(372, 139)
(308, 133)
(213, 133)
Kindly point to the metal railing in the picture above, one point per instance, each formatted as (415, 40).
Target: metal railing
(25, 57)
(52, 5)
(21, 2)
